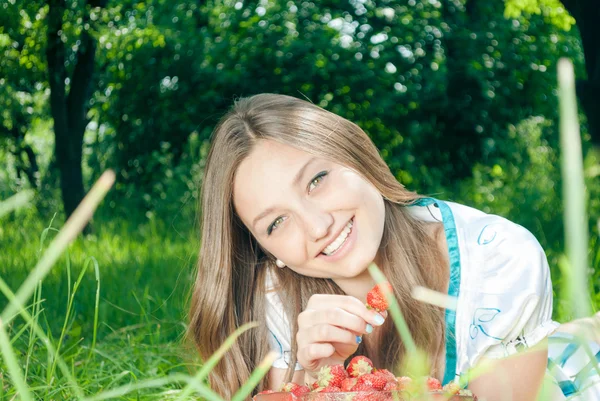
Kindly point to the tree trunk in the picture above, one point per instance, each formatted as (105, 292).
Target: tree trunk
(587, 14)
(69, 111)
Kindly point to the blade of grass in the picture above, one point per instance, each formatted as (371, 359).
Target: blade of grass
(12, 364)
(255, 378)
(16, 201)
(96, 307)
(72, 228)
(70, 302)
(210, 364)
(576, 233)
(394, 309)
(433, 297)
(36, 310)
(200, 388)
(45, 340)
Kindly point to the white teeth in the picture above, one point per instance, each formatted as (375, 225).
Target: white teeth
(339, 241)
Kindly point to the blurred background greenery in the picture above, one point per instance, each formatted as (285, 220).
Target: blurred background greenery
(459, 95)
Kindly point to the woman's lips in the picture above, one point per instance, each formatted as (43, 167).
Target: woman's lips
(345, 248)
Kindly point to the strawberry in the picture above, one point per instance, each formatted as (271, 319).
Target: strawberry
(359, 365)
(376, 381)
(376, 297)
(389, 376)
(391, 386)
(433, 384)
(300, 390)
(315, 385)
(330, 389)
(348, 383)
(294, 388)
(365, 393)
(331, 376)
(363, 387)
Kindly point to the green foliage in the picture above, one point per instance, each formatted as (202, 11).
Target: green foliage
(552, 10)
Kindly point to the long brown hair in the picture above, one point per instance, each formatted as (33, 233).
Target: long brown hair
(230, 286)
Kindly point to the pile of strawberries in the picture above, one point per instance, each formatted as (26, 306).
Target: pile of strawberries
(369, 383)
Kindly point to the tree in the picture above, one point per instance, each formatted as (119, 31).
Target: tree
(69, 95)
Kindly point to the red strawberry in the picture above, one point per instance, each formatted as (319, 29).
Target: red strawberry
(376, 297)
(348, 383)
(330, 389)
(359, 365)
(391, 386)
(373, 380)
(331, 376)
(363, 387)
(389, 376)
(315, 385)
(366, 393)
(301, 390)
(294, 388)
(433, 384)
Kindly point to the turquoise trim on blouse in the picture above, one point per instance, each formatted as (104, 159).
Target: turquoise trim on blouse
(454, 284)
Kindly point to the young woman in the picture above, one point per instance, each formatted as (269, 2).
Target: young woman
(296, 203)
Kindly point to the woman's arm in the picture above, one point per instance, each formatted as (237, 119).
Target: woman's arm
(517, 378)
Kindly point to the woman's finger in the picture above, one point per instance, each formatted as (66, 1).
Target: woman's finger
(348, 303)
(311, 355)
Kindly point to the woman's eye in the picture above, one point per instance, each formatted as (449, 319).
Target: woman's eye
(316, 181)
(274, 225)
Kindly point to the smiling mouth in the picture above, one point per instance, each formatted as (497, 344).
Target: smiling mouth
(340, 240)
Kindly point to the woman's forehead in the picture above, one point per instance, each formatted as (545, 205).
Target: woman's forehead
(265, 176)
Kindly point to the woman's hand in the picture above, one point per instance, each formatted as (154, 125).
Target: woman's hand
(330, 329)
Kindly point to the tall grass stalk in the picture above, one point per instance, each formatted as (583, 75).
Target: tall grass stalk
(255, 377)
(15, 202)
(14, 370)
(576, 226)
(395, 311)
(200, 388)
(70, 308)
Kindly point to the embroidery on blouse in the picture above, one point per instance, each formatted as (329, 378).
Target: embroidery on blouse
(480, 318)
(486, 235)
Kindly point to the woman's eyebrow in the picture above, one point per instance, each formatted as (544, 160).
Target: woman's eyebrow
(295, 182)
(300, 172)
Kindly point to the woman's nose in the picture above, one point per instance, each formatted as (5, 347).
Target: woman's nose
(317, 222)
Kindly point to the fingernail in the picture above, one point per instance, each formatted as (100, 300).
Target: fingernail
(358, 339)
(379, 320)
(369, 328)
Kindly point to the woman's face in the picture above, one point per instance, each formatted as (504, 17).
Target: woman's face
(320, 218)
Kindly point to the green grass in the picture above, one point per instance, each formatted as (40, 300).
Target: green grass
(145, 273)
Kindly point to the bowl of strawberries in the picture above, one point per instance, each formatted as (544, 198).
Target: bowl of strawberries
(361, 381)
